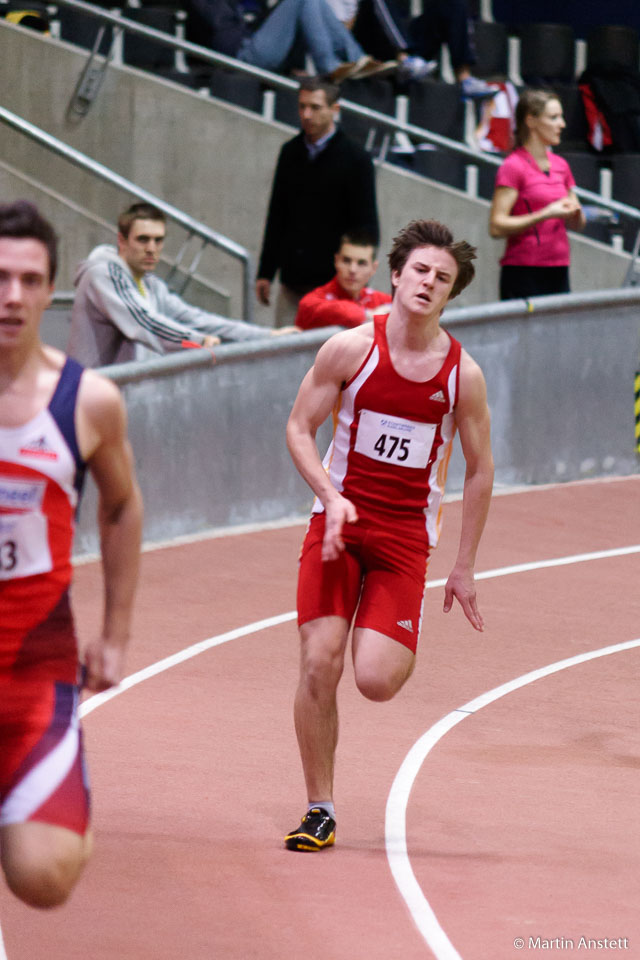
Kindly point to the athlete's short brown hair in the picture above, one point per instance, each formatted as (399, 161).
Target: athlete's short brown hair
(23, 221)
(432, 233)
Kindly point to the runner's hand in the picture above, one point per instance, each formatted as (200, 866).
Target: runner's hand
(461, 585)
(104, 663)
(338, 512)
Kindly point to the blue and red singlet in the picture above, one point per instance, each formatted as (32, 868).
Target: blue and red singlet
(41, 474)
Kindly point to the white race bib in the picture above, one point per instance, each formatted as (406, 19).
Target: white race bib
(404, 443)
(24, 536)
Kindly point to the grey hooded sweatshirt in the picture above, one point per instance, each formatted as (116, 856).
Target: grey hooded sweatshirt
(112, 319)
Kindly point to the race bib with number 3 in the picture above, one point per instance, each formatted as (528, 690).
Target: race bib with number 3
(404, 443)
(24, 540)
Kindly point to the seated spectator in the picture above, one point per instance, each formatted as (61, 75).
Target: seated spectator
(120, 307)
(345, 301)
(448, 21)
(219, 24)
(378, 26)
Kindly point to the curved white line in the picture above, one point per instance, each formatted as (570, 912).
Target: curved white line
(161, 665)
(395, 820)
(92, 703)
(397, 836)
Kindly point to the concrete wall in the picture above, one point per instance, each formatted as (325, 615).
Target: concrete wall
(210, 160)
(209, 438)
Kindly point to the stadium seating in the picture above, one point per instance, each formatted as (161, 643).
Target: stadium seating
(626, 189)
(237, 88)
(437, 106)
(82, 30)
(492, 47)
(613, 44)
(547, 53)
(138, 51)
(376, 94)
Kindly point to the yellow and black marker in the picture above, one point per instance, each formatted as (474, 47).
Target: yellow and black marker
(637, 409)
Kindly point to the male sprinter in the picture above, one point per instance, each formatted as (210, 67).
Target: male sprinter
(55, 419)
(399, 387)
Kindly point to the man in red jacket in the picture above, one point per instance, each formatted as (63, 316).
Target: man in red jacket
(345, 301)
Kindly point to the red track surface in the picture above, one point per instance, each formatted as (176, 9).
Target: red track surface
(522, 821)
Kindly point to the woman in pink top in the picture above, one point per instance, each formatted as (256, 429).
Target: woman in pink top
(534, 203)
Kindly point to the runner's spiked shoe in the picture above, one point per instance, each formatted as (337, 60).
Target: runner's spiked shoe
(316, 831)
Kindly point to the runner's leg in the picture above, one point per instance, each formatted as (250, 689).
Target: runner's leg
(41, 862)
(381, 664)
(323, 644)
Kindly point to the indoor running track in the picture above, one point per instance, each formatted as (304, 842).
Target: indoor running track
(489, 812)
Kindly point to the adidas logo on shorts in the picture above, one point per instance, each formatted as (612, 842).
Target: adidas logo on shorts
(406, 625)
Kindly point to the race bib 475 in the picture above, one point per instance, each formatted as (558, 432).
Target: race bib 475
(404, 443)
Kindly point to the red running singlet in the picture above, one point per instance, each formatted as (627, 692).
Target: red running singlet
(392, 442)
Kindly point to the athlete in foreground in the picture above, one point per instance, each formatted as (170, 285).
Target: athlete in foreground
(55, 419)
(399, 387)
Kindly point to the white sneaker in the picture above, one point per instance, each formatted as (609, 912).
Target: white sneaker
(475, 89)
(415, 68)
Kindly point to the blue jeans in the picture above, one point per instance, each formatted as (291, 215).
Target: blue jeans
(326, 39)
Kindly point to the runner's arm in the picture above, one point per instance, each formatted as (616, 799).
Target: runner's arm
(474, 426)
(336, 361)
(110, 461)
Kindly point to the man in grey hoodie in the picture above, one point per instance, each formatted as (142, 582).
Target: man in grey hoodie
(121, 307)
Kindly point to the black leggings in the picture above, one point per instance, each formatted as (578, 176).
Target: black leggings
(518, 282)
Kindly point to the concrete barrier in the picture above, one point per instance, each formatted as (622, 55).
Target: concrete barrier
(209, 437)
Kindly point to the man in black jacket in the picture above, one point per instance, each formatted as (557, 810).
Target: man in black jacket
(323, 187)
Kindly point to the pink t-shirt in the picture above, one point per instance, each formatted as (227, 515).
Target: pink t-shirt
(545, 244)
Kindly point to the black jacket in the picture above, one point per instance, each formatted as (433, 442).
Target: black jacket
(313, 202)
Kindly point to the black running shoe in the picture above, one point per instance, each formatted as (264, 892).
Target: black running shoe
(316, 831)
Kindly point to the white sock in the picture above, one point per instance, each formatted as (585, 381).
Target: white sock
(326, 805)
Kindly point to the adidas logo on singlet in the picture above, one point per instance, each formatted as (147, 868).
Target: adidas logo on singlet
(406, 625)
(438, 395)
(38, 448)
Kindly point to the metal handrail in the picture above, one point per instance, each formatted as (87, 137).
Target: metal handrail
(274, 80)
(104, 173)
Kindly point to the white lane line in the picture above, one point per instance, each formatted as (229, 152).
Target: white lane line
(558, 562)
(92, 703)
(395, 821)
(161, 665)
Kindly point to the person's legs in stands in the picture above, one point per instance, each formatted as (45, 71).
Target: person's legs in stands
(326, 39)
(343, 42)
(425, 35)
(447, 21)
(455, 28)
